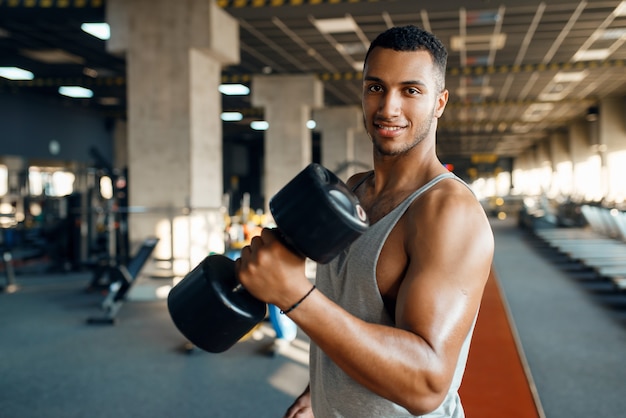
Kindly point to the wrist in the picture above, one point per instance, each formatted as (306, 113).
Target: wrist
(295, 305)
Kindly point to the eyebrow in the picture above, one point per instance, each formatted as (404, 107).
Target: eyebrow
(406, 83)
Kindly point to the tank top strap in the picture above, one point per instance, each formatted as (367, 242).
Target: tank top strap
(365, 177)
(407, 202)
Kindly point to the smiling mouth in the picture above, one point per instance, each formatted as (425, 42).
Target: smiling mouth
(388, 128)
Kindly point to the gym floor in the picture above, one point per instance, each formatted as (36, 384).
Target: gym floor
(53, 364)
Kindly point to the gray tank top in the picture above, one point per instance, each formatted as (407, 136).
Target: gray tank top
(350, 280)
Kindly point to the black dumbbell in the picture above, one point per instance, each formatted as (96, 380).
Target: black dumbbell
(316, 215)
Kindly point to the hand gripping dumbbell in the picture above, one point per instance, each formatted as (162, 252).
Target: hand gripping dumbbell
(316, 216)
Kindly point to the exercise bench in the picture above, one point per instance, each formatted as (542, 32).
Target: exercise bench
(122, 278)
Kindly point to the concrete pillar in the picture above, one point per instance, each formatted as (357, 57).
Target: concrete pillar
(586, 163)
(174, 53)
(579, 142)
(561, 164)
(340, 128)
(523, 166)
(612, 147)
(612, 129)
(577, 146)
(288, 101)
(543, 165)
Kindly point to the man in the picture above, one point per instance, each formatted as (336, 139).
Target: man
(392, 319)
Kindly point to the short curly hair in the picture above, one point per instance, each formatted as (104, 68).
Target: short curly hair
(413, 38)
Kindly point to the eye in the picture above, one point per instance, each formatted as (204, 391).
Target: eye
(374, 88)
(412, 91)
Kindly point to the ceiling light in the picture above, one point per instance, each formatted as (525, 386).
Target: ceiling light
(353, 48)
(569, 76)
(478, 42)
(537, 111)
(231, 116)
(520, 128)
(259, 125)
(591, 55)
(478, 60)
(14, 73)
(99, 30)
(475, 91)
(561, 85)
(75, 92)
(311, 124)
(234, 89)
(613, 34)
(90, 72)
(52, 56)
(109, 101)
(336, 25)
(482, 18)
(552, 97)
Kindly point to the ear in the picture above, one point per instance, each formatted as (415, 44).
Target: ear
(442, 100)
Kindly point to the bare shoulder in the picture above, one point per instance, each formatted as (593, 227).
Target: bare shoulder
(449, 198)
(451, 213)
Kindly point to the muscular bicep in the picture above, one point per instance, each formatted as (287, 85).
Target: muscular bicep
(449, 247)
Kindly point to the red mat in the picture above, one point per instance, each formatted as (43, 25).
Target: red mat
(496, 384)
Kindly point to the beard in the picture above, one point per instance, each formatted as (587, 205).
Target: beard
(419, 136)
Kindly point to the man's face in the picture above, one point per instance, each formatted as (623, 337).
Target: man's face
(401, 99)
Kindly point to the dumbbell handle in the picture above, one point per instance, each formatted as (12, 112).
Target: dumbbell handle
(283, 239)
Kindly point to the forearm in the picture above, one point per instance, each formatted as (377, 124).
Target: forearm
(393, 363)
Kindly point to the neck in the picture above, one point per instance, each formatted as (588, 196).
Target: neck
(406, 172)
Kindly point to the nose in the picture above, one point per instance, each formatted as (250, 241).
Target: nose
(390, 105)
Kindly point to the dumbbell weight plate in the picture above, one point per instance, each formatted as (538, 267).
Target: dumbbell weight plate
(209, 312)
(317, 214)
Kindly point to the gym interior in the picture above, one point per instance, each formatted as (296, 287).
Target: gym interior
(109, 200)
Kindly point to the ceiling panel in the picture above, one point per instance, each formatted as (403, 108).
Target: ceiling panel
(504, 95)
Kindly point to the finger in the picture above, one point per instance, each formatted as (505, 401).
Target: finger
(268, 235)
(256, 242)
(244, 255)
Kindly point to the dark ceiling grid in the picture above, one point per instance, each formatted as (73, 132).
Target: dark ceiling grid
(542, 38)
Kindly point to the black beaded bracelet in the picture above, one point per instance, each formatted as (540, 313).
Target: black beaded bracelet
(298, 302)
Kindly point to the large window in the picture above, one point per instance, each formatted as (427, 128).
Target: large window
(50, 181)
